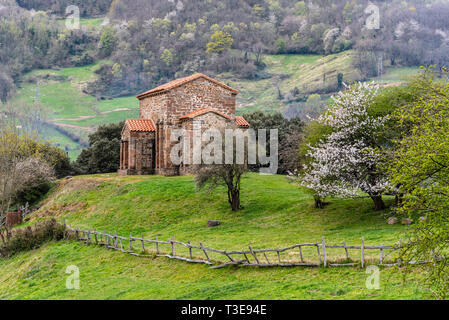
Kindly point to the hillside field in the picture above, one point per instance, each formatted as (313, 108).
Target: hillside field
(275, 214)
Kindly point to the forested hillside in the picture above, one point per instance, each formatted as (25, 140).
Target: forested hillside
(283, 55)
(149, 42)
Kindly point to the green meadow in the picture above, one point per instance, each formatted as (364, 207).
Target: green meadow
(276, 213)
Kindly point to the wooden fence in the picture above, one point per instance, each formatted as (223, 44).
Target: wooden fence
(251, 257)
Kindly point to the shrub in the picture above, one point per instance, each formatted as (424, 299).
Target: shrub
(31, 237)
(103, 155)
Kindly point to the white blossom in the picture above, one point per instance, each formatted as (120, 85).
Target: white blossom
(346, 161)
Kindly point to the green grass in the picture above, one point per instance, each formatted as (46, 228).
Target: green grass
(275, 214)
(61, 94)
(92, 22)
(106, 274)
(397, 74)
(305, 72)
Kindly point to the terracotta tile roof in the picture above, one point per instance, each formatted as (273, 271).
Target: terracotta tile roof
(200, 112)
(179, 82)
(241, 122)
(142, 125)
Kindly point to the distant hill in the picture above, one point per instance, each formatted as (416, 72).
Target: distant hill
(285, 56)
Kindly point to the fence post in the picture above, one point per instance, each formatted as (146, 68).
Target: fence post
(268, 261)
(130, 243)
(88, 237)
(143, 244)
(246, 257)
(254, 254)
(300, 254)
(346, 250)
(190, 250)
(157, 246)
(95, 235)
(381, 260)
(363, 252)
(65, 230)
(172, 246)
(279, 255)
(204, 250)
(116, 240)
(229, 256)
(324, 252)
(318, 250)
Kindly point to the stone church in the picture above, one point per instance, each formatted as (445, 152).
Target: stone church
(179, 104)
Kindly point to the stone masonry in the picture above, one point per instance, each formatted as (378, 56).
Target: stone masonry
(182, 103)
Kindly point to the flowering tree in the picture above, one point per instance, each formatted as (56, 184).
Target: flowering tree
(347, 160)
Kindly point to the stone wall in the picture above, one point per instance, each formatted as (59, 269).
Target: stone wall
(154, 107)
(166, 109)
(194, 95)
(137, 153)
(206, 121)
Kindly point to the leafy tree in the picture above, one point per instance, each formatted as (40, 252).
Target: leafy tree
(55, 157)
(340, 81)
(167, 57)
(108, 41)
(420, 169)
(6, 86)
(103, 155)
(220, 42)
(290, 132)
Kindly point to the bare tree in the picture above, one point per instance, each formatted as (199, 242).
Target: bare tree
(20, 168)
(226, 174)
(229, 175)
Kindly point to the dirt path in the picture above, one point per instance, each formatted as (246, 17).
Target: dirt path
(65, 125)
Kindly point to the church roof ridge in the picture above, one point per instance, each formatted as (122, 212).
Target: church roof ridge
(181, 81)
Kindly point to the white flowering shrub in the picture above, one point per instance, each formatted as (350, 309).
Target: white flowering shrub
(347, 161)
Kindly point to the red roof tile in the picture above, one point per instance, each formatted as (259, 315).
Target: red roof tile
(142, 125)
(200, 112)
(179, 82)
(241, 122)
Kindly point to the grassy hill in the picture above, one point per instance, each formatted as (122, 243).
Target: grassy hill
(60, 93)
(275, 214)
(305, 72)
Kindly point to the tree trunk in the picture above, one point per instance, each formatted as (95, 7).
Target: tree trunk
(379, 204)
(319, 204)
(234, 200)
(398, 199)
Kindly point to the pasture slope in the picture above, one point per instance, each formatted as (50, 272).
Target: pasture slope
(275, 214)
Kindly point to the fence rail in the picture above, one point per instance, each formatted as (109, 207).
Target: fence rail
(250, 257)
